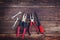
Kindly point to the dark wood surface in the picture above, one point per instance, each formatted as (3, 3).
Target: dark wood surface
(48, 13)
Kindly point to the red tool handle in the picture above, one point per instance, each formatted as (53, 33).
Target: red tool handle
(23, 33)
(34, 23)
(35, 27)
(41, 29)
(31, 23)
(18, 31)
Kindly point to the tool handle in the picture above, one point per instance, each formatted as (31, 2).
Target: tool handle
(31, 24)
(23, 33)
(41, 29)
(18, 31)
(35, 27)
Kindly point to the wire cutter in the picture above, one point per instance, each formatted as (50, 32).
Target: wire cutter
(38, 24)
(32, 21)
(23, 24)
(18, 28)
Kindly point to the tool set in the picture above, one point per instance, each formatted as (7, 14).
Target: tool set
(33, 20)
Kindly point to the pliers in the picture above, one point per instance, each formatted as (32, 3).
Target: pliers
(24, 18)
(18, 28)
(38, 24)
(32, 21)
(23, 24)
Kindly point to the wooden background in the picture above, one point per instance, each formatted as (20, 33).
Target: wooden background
(48, 12)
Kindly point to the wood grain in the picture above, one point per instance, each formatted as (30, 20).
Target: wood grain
(48, 13)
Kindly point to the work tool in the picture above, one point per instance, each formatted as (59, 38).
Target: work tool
(32, 21)
(40, 27)
(23, 24)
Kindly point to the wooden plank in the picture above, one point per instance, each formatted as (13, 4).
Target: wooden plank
(32, 35)
(7, 29)
(45, 13)
(44, 1)
(23, 4)
(44, 23)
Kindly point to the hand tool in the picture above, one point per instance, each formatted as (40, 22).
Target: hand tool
(24, 18)
(18, 28)
(38, 23)
(23, 24)
(32, 21)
